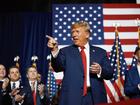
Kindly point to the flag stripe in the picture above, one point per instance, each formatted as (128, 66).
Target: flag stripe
(112, 90)
(123, 17)
(122, 35)
(121, 29)
(126, 48)
(110, 94)
(116, 5)
(123, 41)
(123, 11)
(117, 89)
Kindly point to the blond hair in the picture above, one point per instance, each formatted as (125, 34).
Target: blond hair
(81, 24)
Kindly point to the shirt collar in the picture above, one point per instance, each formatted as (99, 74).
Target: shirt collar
(16, 82)
(86, 46)
(30, 82)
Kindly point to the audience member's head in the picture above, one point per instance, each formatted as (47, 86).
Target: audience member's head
(14, 73)
(32, 73)
(2, 71)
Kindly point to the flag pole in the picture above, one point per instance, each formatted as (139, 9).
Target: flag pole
(138, 24)
(118, 57)
(34, 59)
(16, 59)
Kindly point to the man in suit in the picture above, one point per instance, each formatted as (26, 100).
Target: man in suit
(2, 77)
(132, 78)
(84, 67)
(13, 88)
(35, 90)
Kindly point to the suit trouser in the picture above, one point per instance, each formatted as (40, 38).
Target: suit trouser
(87, 100)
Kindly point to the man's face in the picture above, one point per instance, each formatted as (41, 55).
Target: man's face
(2, 72)
(80, 36)
(32, 74)
(14, 74)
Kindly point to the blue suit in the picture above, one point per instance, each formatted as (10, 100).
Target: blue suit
(132, 79)
(69, 60)
(29, 98)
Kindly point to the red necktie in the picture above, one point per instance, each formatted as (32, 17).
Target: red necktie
(34, 97)
(84, 61)
(33, 92)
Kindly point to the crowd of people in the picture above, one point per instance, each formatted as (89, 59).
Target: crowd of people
(14, 92)
(85, 67)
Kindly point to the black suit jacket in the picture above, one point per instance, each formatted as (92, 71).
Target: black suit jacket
(1, 92)
(29, 98)
(7, 99)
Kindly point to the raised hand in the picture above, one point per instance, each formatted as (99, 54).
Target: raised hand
(5, 83)
(15, 92)
(52, 44)
(41, 89)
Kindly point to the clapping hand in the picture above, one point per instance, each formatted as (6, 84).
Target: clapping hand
(41, 89)
(19, 97)
(5, 83)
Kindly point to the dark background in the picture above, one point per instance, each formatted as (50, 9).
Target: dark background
(45, 5)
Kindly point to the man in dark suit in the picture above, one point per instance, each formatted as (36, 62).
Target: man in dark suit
(13, 89)
(84, 67)
(132, 78)
(35, 90)
(2, 77)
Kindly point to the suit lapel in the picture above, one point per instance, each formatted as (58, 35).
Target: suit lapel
(77, 56)
(92, 55)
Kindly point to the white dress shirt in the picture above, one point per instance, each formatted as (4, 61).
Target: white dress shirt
(87, 50)
(17, 84)
(35, 85)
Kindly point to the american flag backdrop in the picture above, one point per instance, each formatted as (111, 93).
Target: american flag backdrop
(101, 18)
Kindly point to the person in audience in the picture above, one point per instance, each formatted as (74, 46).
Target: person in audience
(2, 78)
(85, 68)
(2, 72)
(35, 90)
(132, 78)
(13, 88)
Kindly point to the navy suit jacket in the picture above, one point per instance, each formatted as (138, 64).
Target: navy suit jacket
(132, 79)
(69, 60)
(29, 98)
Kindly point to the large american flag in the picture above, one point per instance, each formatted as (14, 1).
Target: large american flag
(115, 86)
(101, 18)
